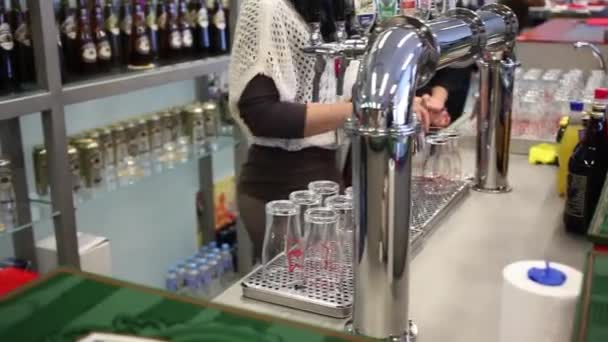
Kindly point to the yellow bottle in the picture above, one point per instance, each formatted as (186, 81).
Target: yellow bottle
(569, 141)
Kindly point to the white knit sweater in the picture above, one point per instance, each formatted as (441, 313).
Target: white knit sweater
(268, 40)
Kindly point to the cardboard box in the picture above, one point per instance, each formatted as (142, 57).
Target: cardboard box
(95, 256)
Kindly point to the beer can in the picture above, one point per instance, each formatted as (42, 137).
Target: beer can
(39, 156)
(7, 189)
(132, 134)
(178, 124)
(168, 123)
(212, 115)
(119, 138)
(143, 139)
(106, 144)
(91, 166)
(155, 131)
(195, 124)
(74, 163)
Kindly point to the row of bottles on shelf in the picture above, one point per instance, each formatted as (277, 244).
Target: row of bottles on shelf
(8, 208)
(583, 158)
(96, 37)
(17, 66)
(126, 150)
(205, 274)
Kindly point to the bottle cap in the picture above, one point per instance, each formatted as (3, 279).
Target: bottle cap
(601, 94)
(225, 247)
(576, 106)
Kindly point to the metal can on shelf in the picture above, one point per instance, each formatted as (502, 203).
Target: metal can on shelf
(132, 134)
(119, 137)
(178, 124)
(195, 124)
(212, 116)
(74, 163)
(106, 144)
(143, 139)
(39, 156)
(91, 165)
(168, 123)
(155, 131)
(7, 189)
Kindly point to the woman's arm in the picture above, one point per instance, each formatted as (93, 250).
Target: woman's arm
(321, 117)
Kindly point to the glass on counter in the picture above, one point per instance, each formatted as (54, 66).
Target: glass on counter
(305, 199)
(437, 167)
(324, 188)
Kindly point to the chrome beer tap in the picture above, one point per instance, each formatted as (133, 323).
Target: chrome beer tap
(597, 53)
(400, 58)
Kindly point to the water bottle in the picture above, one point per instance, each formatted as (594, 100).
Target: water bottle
(228, 262)
(212, 245)
(171, 281)
(203, 251)
(192, 282)
(181, 275)
(205, 279)
(215, 283)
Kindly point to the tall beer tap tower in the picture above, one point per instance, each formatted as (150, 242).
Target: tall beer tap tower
(400, 55)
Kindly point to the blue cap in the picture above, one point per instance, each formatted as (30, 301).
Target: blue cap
(576, 106)
(547, 276)
(191, 265)
(216, 250)
(225, 247)
(213, 244)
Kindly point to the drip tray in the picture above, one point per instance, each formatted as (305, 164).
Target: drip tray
(428, 210)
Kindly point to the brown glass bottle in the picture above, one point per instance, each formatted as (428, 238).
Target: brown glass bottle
(112, 31)
(126, 24)
(8, 80)
(68, 29)
(161, 23)
(87, 52)
(102, 43)
(141, 54)
(218, 28)
(152, 28)
(171, 38)
(200, 19)
(24, 52)
(185, 28)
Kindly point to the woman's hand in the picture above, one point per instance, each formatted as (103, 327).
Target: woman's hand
(423, 114)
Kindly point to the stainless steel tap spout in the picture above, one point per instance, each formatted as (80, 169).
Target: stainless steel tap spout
(402, 57)
(596, 53)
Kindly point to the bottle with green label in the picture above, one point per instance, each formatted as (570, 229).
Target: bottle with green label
(387, 9)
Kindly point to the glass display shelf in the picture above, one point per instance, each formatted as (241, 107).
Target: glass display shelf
(40, 211)
(28, 99)
(123, 80)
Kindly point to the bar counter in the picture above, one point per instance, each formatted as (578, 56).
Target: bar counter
(456, 279)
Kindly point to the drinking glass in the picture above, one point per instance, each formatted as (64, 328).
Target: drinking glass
(305, 199)
(349, 192)
(283, 238)
(324, 188)
(453, 149)
(323, 255)
(343, 205)
(437, 166)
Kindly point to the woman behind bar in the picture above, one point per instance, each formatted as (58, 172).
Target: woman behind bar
(293, 140)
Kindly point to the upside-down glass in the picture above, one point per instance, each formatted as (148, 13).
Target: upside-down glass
(454, 155)
(305, 199)
(343, 205)
(323, 255)
(349, 192)
(437, 166)
(324, 188)
(283, 238)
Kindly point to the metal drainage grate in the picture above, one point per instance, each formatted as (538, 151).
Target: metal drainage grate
(334, 297)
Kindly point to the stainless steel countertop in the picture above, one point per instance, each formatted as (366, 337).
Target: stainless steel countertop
(456, 279)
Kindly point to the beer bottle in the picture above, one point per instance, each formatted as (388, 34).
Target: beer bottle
(141, 54)
(24, 52)
(152, 28)
(69, 34)
(185, 28)
(102, 42)
(200, 16)
(161, 23)
(171, 41)
(113, 32)
(8, 80)
(87, 60)
(126, 23)
(219, 33)
(226, 4)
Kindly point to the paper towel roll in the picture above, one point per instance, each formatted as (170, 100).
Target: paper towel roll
(531, 312)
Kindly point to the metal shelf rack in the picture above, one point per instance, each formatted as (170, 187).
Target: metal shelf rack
(50, 99)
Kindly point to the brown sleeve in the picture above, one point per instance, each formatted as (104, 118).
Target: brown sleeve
(266, 116)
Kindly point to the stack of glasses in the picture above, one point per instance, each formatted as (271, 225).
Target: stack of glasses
(309, 239)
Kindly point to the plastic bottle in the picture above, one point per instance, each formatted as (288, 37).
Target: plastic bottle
(192, 281)
(181, 275)
(171, 283)
(228, 263)
(569, 140)
(205, 280)
(216, 275)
